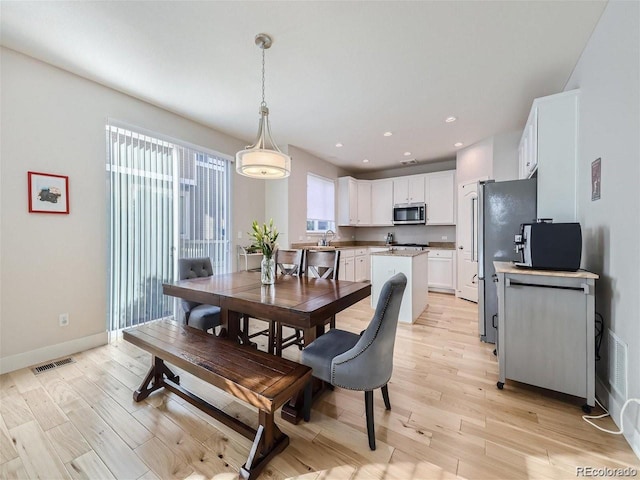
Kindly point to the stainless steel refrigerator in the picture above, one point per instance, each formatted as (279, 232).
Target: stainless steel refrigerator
(502, 208)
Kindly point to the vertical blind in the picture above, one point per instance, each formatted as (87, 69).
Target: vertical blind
(166, 201)
(320, 199)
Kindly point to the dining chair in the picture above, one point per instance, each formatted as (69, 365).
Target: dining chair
(288, 262)
(198, 315)
(316, 264)
(360, 362)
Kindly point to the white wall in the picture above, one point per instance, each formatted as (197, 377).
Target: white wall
(475, 161)
(277, 207)
(54, 122)
(437, 166)
(608, 75)
(505, 156)
(303, 162)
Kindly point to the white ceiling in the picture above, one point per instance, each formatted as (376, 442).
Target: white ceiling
(337, 72)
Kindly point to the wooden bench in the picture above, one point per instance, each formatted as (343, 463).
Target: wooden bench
(257, 378)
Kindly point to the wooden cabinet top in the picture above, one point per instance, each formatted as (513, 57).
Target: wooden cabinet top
(508, 267)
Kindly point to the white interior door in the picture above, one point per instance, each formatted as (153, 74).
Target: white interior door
(467, 239)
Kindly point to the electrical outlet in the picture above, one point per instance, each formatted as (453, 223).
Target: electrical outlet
(444, 237)
(240, 235)
(63, 319)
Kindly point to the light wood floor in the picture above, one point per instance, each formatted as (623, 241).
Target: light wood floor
(447, 419)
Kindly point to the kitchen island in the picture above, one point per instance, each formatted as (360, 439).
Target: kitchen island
(414, 264)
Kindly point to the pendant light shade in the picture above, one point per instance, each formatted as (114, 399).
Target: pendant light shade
(263, 159)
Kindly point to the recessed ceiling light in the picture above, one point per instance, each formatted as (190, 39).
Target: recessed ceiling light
(338, 145)
(450, 119)
(407, 154)
(366, 160)
(458, 144)
(388, 134)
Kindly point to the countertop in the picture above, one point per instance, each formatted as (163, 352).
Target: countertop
(508, 267)
(401, 253)
(372, 244)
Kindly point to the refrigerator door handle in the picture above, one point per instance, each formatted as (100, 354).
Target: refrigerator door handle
(480, 232)
(474, 233)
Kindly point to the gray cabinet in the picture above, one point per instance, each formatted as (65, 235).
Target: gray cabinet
(546, 329)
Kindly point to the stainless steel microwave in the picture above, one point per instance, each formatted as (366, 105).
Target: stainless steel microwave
(409, 214)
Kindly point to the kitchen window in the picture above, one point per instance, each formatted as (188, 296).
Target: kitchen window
(321, 196)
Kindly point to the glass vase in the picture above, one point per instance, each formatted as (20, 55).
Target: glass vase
(268, 270)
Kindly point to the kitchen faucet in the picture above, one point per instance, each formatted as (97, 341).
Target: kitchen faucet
(324, 237)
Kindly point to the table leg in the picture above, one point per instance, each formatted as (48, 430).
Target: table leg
(234, 320)
(268, 442)
(156, 374)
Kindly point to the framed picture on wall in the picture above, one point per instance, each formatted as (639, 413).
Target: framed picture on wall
(48, 193)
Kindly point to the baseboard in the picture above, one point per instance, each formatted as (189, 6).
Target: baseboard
(631, 434)
(442, 290)
(41, 355)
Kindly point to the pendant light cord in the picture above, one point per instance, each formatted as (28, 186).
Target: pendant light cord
(264, 104)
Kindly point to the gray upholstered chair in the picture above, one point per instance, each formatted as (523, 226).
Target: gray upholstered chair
(360, 362)
(198, 315)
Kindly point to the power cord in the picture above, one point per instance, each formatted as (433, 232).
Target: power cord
(588, 418)
(599, 334)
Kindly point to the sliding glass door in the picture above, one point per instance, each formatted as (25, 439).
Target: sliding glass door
(166, 201)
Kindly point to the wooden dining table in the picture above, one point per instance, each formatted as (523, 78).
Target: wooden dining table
(295, 301)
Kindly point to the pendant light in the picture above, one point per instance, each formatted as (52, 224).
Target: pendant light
(263, 159)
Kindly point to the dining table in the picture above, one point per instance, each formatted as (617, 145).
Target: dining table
(301, 302)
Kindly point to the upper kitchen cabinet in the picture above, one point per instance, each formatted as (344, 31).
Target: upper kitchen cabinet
(409, 189)
(548, 150)
(364, 203)
(440, 191)
(382, 202)
(528, 148)
(354, 202)
(347, 201)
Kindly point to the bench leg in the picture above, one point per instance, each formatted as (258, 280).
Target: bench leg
(268, 442)
(156, 374)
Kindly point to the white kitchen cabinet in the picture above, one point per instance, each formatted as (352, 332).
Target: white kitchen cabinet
(354, 202)
(549, 150)
(382, 202)
(441, 270)
(528, 148)
(362, 264)
(346, 265)
(409, 189)
(347, 201)
(440, 190)
(364, 203)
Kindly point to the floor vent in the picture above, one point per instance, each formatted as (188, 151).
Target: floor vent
(618, 365)
(52, 365)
